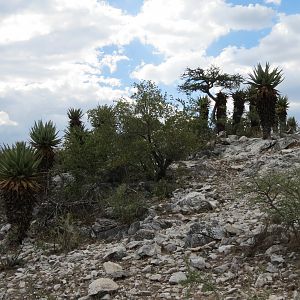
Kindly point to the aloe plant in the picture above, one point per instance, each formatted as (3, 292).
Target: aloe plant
(264, 81)
(19, 184)
(44, 138)
(281, 112)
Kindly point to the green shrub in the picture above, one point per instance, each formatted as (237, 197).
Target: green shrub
(163, 188)
(11, 261)
(127, 205)
(64, 234)
(279, 196)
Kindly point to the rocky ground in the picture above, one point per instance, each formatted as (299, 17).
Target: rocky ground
(202, 244)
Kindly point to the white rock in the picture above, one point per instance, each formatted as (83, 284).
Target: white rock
(155, 277)
(113, 269)
(263, 279)
(277, 258)
(102, 286)
(177, 278)
(273, 249)
(149, 250)
(198, 262)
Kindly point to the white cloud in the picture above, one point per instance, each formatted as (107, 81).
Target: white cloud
(277, 2)
(183, 30)
(177, 26)
(52, 57)
(22, 27)
(4, 119)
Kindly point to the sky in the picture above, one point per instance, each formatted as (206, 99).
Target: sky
(57, 54)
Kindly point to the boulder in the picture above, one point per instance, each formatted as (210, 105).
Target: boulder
(102, 286)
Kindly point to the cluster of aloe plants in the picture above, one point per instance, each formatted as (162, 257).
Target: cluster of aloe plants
(267, 108)
(22, 175)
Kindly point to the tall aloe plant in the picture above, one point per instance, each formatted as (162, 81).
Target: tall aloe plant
(264, 81)
(239, 99)
(281, 112)
(19, 185)
(44, 138)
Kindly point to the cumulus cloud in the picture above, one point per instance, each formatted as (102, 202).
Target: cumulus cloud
(4, 119)
(51, 59)
(183, 30)
(177, 26)
(52, 52)
(277, 2)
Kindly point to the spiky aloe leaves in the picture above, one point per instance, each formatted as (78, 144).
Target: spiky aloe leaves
(19, 183)
(19, 168)
(264, 81)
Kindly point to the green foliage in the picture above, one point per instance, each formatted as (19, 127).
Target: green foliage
(18, 168)
(221, 112)
(127, 205)
(64, 234)
(44, 138)
(204, 80)
(11, 261)
(265, 78)
(155, 132)
(282, 106)
(103, 117)
(279, 195)
(75, 115)
(239, 99)
(264, 82)
(163, 188)
(19, 185)
(196, 278)
(291, 125)
(98, 158)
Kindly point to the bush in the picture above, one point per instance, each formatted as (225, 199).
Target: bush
(64, 234)
(279, 196)
(127, 205)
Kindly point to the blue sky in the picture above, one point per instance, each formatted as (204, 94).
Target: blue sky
(57, 54)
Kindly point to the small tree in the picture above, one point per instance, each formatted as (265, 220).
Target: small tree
(202, 80)
(156, 132)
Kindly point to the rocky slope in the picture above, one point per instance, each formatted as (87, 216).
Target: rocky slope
(199, 245)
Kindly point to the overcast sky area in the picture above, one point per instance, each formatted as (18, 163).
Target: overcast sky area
(57, 54)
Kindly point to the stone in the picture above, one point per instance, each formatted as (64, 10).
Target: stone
(243, 139)
(170, 247)
(276, 258)
(116, 254)
(155, 277)
(113, 269)
(197, 262)
(134, 227)
(232, 229)
(102, 286)
(144, 234)
(107, 229)
(149, 250)
(177, 277)
(263, 279)
(273, 249)
(202, 233)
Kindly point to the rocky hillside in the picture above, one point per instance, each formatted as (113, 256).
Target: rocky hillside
(206, 242)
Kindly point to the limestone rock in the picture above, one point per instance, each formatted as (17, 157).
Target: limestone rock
(113, 269)
(177, 277)
(102, 286)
